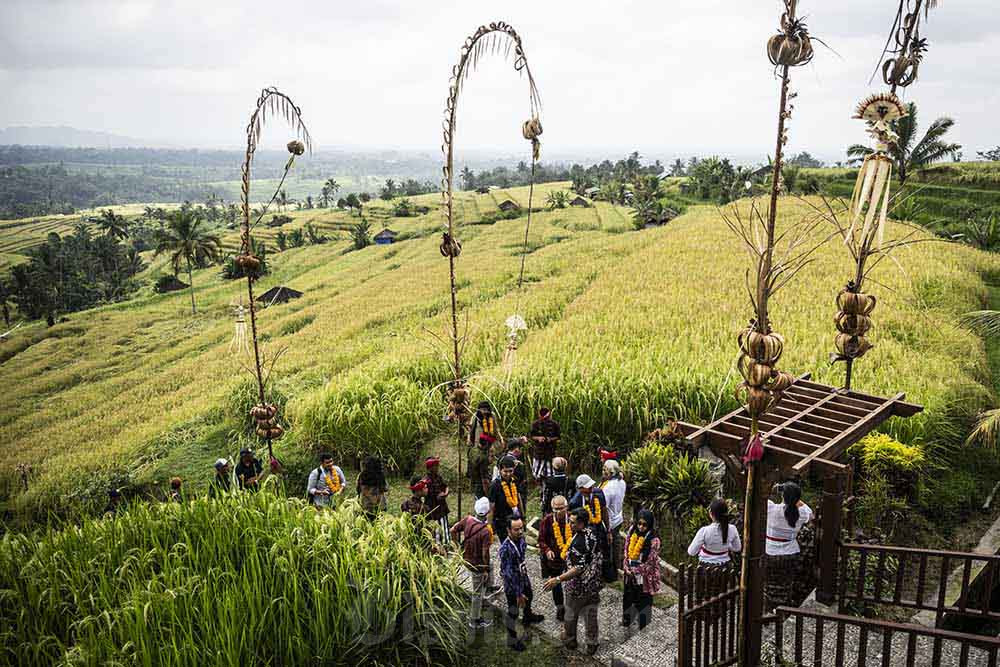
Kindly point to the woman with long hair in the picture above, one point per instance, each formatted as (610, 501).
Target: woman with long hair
(714, 543)
(784, 560)
(641, 563)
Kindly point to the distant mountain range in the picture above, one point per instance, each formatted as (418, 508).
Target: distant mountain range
(69, 137)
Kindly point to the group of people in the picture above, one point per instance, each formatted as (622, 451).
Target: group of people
(581, 544)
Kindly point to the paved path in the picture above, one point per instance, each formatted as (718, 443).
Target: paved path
(655, 646)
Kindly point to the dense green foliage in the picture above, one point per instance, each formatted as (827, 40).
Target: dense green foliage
(248, 579)
(668, 482)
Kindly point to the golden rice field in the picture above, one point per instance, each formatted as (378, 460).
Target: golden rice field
(626, 329)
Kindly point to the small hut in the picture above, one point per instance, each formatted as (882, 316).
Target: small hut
(483, 189)
(508, 205)
(385, 237)
(592, 192)
(579, 201)
(169, 283)
(279, 294)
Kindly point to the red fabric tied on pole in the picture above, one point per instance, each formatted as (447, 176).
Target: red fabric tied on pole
(754, 451)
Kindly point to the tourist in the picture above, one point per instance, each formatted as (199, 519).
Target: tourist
(613, 486)
(248, 470)
(557, 484)
(544, 435)
(476, 536)
(582, 583)
(714, 543)
(605, 455)
(641, 560)
(555, 533)
(483, 429)
(505, 500)
(415, 505)
(372, 487)
(516, 583)
(437, 499)
(116, 503)
(591, 499)
(326, 483)
(480, 468)
(223, 480)
(783, 561)
(175, 490)
(512, 449)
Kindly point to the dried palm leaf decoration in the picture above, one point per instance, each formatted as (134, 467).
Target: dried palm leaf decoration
(270, 103)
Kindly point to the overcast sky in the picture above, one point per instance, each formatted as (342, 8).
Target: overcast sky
(679, 77)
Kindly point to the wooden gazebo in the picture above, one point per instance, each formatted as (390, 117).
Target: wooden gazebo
(808, 429)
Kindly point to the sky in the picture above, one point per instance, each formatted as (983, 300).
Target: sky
(664, 78)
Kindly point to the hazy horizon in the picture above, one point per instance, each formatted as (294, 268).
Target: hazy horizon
(692, 79)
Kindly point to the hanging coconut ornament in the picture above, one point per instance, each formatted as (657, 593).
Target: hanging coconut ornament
(265, 416)
(762, 382)
(792, 46)
(870, 200)
(250, 265)
(450, 246)
(296, 147)
(458, 404)
(531, 130)
(853, 322)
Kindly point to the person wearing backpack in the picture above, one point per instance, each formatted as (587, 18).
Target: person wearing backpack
(326, 483)
(582, 583)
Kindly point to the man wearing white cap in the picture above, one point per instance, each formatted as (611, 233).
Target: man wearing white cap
(223, 479)
(476, 537)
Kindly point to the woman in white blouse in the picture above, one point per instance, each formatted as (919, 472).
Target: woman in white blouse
(713, 544)
(784, 521)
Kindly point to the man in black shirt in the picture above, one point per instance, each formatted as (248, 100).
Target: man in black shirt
(505, 501)
(556, 485)
(248, 470)
(222, 480)
(544, 437)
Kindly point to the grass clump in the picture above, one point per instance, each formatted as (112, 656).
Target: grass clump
(244, 580)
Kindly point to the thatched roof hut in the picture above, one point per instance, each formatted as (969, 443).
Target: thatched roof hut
(385, 237)
(508, 205)
(279, 294)
(579, 201)
(169, 283)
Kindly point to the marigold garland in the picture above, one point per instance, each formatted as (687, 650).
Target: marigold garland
(595, 515)
(510, 493)
(562, 541)
(333, 482)
(635, 543)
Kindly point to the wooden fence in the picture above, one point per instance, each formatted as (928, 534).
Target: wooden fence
(893, 643)
(920, 579)
(708, 604)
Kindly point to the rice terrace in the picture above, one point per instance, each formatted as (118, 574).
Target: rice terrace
(633, 352)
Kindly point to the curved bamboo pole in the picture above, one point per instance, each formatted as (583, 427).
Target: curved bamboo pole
(270, 102)
(493, 38)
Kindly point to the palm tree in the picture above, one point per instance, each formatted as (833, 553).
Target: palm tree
(330, 189)
(5, 295)
(187, 242)
(468, 179)
(113, 224)
(907, 156)
(282, 200)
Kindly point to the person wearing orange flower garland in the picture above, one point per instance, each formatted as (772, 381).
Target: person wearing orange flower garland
(555, 533)
(641, 561)
(592, 500)
(326, 483)
(505, 500)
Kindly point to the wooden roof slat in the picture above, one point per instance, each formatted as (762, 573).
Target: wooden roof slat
(842, 419)
(770, 420)
(812, 420)
(839, 445)
(832, 402)
(901, 408)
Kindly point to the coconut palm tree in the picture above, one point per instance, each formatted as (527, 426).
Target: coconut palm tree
(113, 224)
(187, 241)
(907, 156)
(330, 189)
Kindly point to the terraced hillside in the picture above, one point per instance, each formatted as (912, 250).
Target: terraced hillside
(625, 329)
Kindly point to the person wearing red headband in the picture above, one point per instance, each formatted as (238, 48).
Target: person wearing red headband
(416, 504)
(437, 499)
(483, 433)
(544, 435)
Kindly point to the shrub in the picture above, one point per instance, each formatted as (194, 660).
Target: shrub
(261, 579)
(900, 465)
(664, 481)
(361, 235)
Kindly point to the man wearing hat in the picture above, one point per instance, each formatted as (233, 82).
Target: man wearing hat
(476, 536)
(437, 499)
(544, 436)
(248, 470)
(592, 499)
(416, 504)
(482, 436)
(222, 481)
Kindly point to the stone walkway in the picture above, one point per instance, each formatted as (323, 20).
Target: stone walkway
(655, 646)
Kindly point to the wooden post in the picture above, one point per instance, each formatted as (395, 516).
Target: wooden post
(752, 584)
(829, 536)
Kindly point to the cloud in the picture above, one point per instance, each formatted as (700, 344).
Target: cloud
(666, 78)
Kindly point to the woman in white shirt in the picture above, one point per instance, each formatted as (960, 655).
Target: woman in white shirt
(784, 521)
(714, 543)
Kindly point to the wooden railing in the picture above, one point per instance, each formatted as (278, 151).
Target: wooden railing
(951, 648)
(708, 601)
(918, 579)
